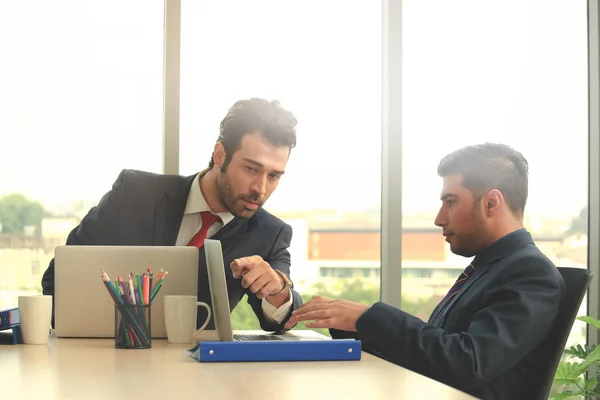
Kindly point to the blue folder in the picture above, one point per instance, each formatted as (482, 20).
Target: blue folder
(277, 350)
(11, 335)
(9, 318)
(10, 327)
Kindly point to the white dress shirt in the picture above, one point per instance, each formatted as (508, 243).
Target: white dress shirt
(192, 222)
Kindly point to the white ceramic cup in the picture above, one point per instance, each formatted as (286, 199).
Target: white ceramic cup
(180, 317)
(35, 315)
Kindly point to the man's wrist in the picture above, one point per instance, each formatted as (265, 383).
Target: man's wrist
(279, 299)
(285, 282)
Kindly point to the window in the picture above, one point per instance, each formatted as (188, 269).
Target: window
(80, 99)
(327, 71)
(35, 267)
(468, 79)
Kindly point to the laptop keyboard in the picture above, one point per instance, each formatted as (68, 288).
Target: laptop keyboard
(252, 338)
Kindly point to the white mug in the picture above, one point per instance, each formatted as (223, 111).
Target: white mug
(35, 315)
(180, 317)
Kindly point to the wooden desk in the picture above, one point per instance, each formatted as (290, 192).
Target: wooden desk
(93, 369)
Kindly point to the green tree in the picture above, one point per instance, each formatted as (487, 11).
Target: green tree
(348, 289)
(17, 212)
(577, 374)
(579, 224)
(243, 317)
(356, 290)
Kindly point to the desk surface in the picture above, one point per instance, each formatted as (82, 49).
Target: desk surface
(94, 369)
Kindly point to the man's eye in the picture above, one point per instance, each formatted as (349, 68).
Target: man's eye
(250, 168)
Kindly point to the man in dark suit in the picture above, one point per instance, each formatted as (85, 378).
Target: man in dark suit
(486, 337)
(223, 202)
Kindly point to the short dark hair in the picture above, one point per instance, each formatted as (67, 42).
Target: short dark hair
(490, 166)
(269, 118)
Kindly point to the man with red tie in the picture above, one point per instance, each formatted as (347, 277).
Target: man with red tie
(223, 202)
(487, 337)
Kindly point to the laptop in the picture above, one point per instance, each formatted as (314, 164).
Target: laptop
(82, 304)
(220, 304)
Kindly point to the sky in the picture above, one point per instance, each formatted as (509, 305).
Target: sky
(81, 93)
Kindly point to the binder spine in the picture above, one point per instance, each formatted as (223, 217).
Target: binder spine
(301, 350)
(9, 318)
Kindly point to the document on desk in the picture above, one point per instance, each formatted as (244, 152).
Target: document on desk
(284, 350)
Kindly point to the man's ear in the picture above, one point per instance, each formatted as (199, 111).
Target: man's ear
(492, 201)
(219, 154)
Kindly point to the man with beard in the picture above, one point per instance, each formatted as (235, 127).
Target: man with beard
(222, 202)
(487, 337)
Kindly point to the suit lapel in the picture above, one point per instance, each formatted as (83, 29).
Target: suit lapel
(168, 213)
(495, 252)
(434, 313)
(479, 272)
(231, 233)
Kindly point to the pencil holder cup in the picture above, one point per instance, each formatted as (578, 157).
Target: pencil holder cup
(132, 326)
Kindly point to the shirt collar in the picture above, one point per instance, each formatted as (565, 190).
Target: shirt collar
(506, 245)
(197, 203)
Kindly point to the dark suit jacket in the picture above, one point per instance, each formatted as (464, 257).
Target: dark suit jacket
(146, 209)
(491, 341)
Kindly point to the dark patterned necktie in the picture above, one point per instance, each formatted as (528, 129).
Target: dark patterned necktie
(454, 290)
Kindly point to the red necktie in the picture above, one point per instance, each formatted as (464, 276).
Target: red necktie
(208, 219)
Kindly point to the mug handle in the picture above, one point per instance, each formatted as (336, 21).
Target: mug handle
(202, 304)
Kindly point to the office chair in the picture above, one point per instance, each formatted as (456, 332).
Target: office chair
(577, 281)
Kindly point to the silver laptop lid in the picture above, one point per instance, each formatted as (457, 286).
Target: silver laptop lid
(218, 289)
(83, 306)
